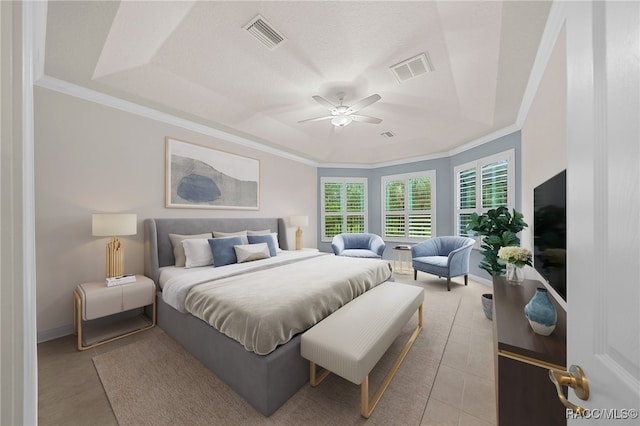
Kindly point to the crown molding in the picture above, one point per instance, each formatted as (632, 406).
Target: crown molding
(462, 148)
(91, 95)
(95, 96)
(555, 22)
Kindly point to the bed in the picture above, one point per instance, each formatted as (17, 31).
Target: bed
(265, 377)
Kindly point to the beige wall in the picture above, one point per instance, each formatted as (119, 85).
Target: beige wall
(91, 158)
(544, 141)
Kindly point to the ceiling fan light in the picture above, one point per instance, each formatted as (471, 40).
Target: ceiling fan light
(341, 120)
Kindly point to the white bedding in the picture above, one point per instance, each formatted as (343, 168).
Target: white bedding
(267, 307)
(176, 282)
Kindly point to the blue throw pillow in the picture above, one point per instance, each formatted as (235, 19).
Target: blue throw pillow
(268, 238)
(223, 251)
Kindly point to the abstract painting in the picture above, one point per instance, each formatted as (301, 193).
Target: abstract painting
(202, 177)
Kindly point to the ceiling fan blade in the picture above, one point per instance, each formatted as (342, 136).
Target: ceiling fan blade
(366, 119)
(325, 103)
(363, 103)
(327, 117)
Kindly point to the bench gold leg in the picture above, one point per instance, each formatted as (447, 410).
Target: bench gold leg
(366, 406)
(315, 379)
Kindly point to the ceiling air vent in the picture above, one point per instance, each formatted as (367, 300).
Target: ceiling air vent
(264, 32)
(387, 135)
(411, 68)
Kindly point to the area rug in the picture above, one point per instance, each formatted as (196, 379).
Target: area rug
(155, 381)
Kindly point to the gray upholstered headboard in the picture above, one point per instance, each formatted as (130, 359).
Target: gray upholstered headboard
(158, 251)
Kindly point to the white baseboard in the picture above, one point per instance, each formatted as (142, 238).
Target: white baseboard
(55, 333)
(481, 280)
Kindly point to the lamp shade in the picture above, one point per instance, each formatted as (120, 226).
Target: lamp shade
(298, 220)
(113, 224)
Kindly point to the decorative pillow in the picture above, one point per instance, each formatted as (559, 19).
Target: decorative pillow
(178, 249)
(222, 250)
(241, 234)
(268, 239)
(265, 232)
(249, 252)
(198, 252)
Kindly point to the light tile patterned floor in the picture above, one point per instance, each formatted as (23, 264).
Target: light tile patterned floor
(463, 393)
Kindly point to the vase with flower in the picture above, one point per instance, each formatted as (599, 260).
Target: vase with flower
(515, 258)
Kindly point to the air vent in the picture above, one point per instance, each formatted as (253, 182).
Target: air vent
(387, 135)
(412, 68)
(264, 32)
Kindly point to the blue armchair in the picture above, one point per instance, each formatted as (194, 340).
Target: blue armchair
(358, 245)
(443, 256)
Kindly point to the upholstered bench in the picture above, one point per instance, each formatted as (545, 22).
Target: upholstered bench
(351, 341)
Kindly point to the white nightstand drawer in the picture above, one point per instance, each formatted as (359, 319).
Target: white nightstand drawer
(138, 294)
(96, 300)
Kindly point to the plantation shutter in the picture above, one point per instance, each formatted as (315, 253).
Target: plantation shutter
(332, 209)
(419, 207)
(483, 185)
(344, 206)
(466, 198)
(495, 184)
(394, 208)
(408, 203)
(355, 207)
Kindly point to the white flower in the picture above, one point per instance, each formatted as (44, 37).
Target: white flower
(517, 255)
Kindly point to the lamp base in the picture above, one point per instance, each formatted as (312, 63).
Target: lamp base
(299, 239)
(115, 258)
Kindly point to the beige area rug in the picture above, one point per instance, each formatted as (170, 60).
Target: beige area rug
(156, 382)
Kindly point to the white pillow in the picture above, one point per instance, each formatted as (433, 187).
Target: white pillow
(249, 252)
(241, 234)
(197, 252)
(178, 249)
(263, 232)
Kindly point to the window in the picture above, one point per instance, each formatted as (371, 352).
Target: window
(344, 206)
(483, 185)
(408, 210)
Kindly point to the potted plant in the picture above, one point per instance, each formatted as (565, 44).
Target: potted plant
(498, 228)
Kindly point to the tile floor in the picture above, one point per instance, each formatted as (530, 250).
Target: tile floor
(70, 392)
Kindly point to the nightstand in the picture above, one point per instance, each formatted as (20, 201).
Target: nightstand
(95, 300)
(402, 259)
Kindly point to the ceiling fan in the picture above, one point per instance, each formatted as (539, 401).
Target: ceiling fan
(341, 114)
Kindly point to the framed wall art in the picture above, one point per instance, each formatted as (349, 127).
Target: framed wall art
(200, 177)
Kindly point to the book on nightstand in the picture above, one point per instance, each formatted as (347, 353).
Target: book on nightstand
(124, 279)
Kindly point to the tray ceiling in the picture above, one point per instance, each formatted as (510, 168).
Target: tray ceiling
(196, 61)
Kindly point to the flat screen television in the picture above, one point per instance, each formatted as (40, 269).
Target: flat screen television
(550, 232)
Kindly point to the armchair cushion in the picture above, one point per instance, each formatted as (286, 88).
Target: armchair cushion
(358, 245)
(443, 256)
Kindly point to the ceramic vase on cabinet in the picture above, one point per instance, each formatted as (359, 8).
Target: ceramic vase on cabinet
(541, 313)
(515, 275)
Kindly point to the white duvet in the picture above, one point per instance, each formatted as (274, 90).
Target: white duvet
(265, 303)
(176, 282)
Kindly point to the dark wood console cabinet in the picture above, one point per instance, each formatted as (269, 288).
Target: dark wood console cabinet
(524, 394)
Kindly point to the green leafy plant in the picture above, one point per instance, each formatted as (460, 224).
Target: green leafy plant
(499, 229)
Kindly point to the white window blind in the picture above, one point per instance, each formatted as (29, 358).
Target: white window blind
(483, 185)
(408, 206)
(344, 206)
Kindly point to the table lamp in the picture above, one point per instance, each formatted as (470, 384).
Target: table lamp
(299, 221)
(114, 225)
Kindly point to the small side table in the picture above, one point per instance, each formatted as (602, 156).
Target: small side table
(402, 259)
(95, 300)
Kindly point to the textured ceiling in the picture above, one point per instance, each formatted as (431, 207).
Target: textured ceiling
(194, 60)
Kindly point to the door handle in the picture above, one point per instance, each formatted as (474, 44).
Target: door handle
(575, 379)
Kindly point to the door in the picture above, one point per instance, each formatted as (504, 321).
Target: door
(603, 213)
